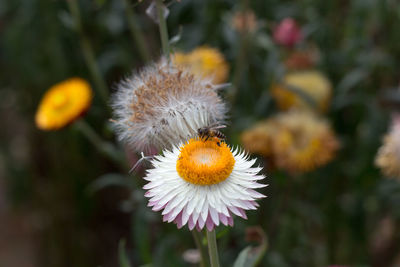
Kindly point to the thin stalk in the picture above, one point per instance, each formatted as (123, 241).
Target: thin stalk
(212, 248)
(104, 147)
(203, 252)
(162, 24)
(240, 66)
(88, 52)
(241, 59)
(136, 33)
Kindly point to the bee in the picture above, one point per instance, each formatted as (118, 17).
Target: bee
(211, 132)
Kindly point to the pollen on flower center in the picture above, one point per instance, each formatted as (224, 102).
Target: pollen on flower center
(205, 162)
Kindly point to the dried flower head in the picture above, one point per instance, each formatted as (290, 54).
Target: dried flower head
(303, 141)
(205, 62)
(164, 105)
(302, 60)
(312, 83)
(63, 103)
(287, 33)
(244, 21)
(202, 184)
(258, 139)
(388, 157)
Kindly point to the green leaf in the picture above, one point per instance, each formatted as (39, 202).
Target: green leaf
(109, 179)
(175, 39)
(303, 95)
(123, 258)
(351, 80)
(251, 256)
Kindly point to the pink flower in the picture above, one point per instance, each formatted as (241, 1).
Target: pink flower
(287, 33)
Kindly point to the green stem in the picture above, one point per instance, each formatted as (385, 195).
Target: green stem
(136, 33)
(203, 252)
(104, 147)
(240, 66)
(88, 52)
(212, 248)
(162, 24)
(241, 59)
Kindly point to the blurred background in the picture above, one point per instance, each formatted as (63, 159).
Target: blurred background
(68, 199)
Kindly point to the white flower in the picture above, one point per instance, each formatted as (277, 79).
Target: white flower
(164, 105)
(203, 183)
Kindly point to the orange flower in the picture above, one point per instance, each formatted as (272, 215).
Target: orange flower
(63, 103)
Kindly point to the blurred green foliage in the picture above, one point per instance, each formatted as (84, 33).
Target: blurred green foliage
(329, 216)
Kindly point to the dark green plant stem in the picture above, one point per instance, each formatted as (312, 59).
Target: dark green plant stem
(241, 59)
(136, 33)
(212, 248)
(104, 147)
(162, 24)
(197, 236)
(88, 53)
(240, 66)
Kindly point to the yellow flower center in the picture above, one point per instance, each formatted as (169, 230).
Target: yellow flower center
(59, 100)
(205, 162)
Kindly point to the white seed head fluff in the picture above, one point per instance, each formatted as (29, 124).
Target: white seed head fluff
(164, 105)
(201, 206)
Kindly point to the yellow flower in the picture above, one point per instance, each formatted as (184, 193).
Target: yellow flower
(302, 142)
(206, 62)
(63, 103)
(312, 83)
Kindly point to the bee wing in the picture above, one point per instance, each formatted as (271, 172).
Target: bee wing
(219, 127)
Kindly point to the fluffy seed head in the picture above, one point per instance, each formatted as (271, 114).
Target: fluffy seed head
(164, 105)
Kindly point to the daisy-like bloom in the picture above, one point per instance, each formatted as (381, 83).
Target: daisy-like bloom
(312, 83)
(388, 157)
(202, 184)
(63, 103)
(302, 141)
(205, 62)
(164, 105)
